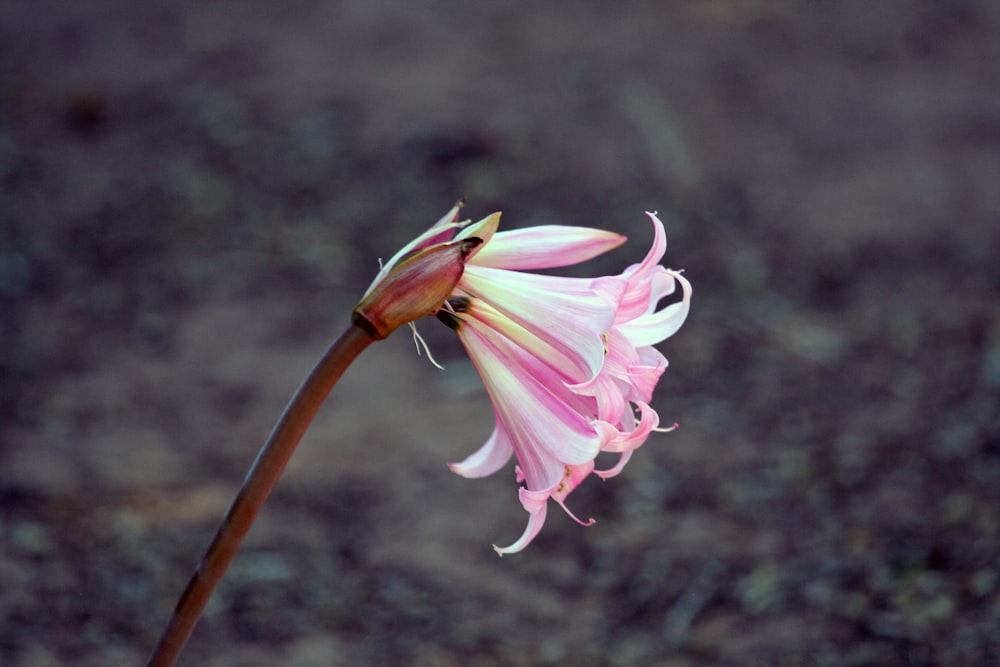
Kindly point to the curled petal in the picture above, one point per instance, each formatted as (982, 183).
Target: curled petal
(628, 439)
(609, 394)
(645, 374)
(656, 251)
(487, 459)
(533, 501)
(628, 375)
(546, 247)
(536, 505)
(639, 298)
(656, 326)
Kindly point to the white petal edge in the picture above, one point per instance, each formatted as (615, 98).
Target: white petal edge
(489, 458)
(655, 327)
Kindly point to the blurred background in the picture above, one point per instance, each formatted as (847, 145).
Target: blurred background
(193, 195)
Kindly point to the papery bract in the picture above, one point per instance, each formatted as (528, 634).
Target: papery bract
(414, 287)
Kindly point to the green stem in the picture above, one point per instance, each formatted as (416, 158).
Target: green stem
(257, 486)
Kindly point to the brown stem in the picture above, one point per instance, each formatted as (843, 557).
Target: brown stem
(257, 486)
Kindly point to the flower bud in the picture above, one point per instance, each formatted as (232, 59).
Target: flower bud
(416, 286)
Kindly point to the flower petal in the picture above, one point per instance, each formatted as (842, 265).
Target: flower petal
(487, 459)
(537, 507)
(565, 312)
(546, 247)
(656, 251)
(608, 393)
(632, 438)
(656, 326)
(639, 278)
(546, 433)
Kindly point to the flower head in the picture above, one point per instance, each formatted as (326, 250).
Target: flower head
(568, 363)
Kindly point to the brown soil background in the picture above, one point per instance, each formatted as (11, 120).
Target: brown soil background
(194, 194)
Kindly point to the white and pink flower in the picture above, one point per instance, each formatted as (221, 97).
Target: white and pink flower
(568, 363)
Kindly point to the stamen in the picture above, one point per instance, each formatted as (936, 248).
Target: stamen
(589, 522)
(421, 343)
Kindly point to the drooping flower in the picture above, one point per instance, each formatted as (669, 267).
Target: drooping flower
(568, 363)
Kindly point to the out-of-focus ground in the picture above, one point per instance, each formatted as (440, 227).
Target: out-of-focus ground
(193, 195)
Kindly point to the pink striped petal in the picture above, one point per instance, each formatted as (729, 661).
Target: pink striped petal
(487, 459)
(634, 437)
(659, 246)
(657, 326)
(546, 247)
(567, 363)
(565, 312)
(639, 277)
(645, 373)
(545, 432)
(537, 507)
(608, 393)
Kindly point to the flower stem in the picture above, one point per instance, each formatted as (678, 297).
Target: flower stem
(257, 486)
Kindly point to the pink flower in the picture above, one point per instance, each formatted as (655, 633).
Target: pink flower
(568, 363)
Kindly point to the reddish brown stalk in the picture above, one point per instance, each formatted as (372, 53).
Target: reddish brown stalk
(263, 475)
